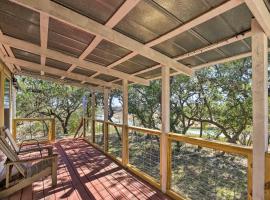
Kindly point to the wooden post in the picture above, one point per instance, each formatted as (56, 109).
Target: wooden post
(125, 154)
(84, 127)
(93, 116)
(52, 130)
(267, 176)
(260, 108)
(165, 128)
(14, 129)
(2, 90)
(106, 115)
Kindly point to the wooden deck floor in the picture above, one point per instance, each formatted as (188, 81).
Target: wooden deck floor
(85, 173)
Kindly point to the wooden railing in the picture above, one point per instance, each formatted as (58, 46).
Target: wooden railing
(51, 127)
(218, 149)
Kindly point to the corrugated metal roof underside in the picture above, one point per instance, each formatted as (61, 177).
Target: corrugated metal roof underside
(146, 22)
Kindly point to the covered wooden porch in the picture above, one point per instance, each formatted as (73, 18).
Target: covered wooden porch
(104, 46)
(86, 173)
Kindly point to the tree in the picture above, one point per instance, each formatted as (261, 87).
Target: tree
(144, 103)
(38, 98)
(219, 96)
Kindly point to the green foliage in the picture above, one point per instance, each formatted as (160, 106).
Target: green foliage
(38, 98)
(217, 97)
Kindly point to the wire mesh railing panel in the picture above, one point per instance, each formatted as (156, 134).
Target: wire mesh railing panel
(144, 152)
(99, 133)
(88, 127)
(203, 173)
(27, 130)
(115, 140)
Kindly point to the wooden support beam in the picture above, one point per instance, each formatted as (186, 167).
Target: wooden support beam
(165, 127)
(215, 62)
(216, 45)
(2, 94)
(44, 28)
(6, 51)
(261, 13)
(228, 5)
(58, 72)
(72, 18)
(125, 8)
(141, 72)
(260, 108)
(125, 153)
(3, 53)
(93, 116)
(106, 115)
(32, 48)
(59, 81)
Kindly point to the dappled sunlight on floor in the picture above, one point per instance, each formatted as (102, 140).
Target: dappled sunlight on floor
(86, 173)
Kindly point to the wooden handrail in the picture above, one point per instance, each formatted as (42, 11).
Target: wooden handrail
(32, 119)
(145, 130)
(98, 120)
(51, 133)
(221, 146)
(114, 124)
(211, 144)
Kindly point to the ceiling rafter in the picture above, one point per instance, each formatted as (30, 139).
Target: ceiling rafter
(215, 62)
(6, 50)
(38, 67)
(44, 27)
(64, 82)
(125, 8)
(72, 18)
(261, 13)
(216, 45)
(35, 49)
(3, 53)
(185, 27)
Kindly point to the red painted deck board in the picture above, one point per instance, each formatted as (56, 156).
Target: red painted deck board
(86, 173)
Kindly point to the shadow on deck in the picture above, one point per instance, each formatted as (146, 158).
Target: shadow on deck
(86, 173)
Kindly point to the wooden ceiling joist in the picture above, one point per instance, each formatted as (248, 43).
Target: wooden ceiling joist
(6, 50)
(185, 27)
(72, 18)
(64, 82)
(44, 27)
(50, 70)
(215, 62)
(213, 46)
(216, 45)
(35, 49)
(261, 13)
(125, 8)
(3, 53)
(228, 5)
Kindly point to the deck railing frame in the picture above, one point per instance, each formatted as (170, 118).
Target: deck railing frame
(211, 144)
(52, 128)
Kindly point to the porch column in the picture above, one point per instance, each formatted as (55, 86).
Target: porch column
(165, 128)
(260, 108)
(14, 109)
(2, 83)
(125, 124)
(93, 116)
(106, 114)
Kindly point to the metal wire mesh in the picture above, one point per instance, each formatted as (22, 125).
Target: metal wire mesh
(202, 173)
(88, 127)
(144, 152)
(38, 130)
(115, 140)
(99, 133)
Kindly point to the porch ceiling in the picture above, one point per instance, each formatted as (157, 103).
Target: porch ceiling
(102, 42)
